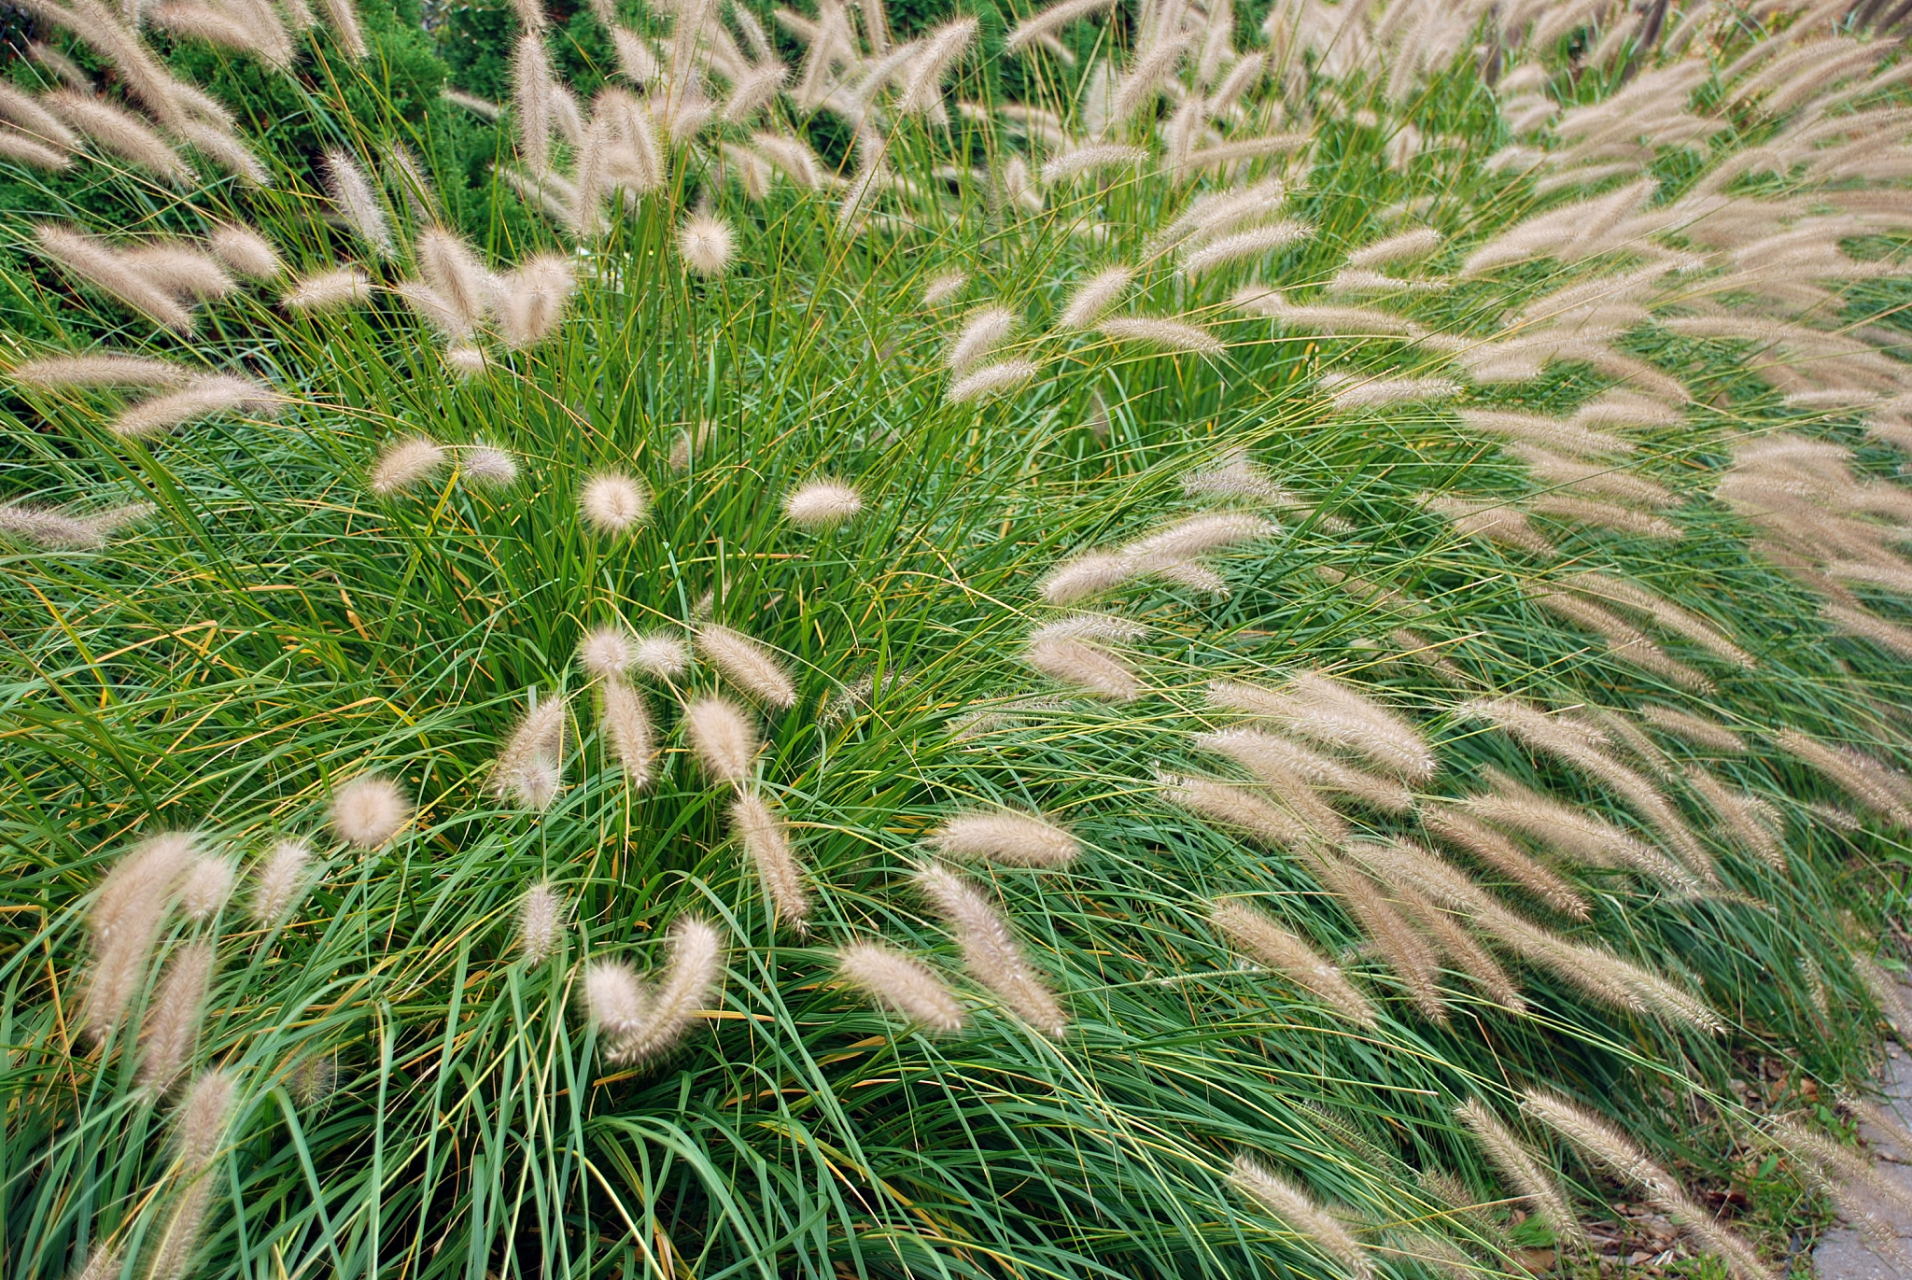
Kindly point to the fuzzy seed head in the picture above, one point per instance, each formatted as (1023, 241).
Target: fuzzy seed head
(205, 887)
(246, 251)
(328, 291)
(660, 655)
(311, 1082)
(356, 202)
(705, 243)
(626, 724)
(1094, 296)
(540, 924)
(747, 664)
(982, 333)
(766, 841)
(467, 361)
(1013, 839)
(172, 1024)
(530, 769)
(58, 373)
(1079, 661)
(724, 740)
(1295, 1207)
(1164, 335)
(205, 398)
(614, 998)
(1522, 1170)
(1257, 935)
(279, 880)
(901, 984)
(405, 464)
(106, 1262)
(613, 504)
(822, 504)
(640, 1023)
(944, 287)
(199, 1125)
(990, 380)
(455, 276)
(369, 810)
(531, 300)
(489, 466)
(606, 652)
(990, 951)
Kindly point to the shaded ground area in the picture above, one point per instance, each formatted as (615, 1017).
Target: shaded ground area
(1844, 1253)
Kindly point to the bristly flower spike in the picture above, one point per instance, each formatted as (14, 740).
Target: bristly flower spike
(279, 880)
(369, 811)
(540, 924)
(822, 504)
(356, 202)
(747, 664)
(614, 504)
(901, 984)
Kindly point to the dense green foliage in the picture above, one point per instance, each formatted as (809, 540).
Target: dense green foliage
(416, 1096)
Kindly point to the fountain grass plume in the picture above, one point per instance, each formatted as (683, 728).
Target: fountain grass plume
(1458, 831)
(1085, 667)
(747, 664)
(323, 291)
(1401, 947)
(990, 380)
(369, 811)
(1296, 1208)
(1454, 944)
(1606, 1144)
(1694, 730)
(131, 906)
(981, 333)
(822, 504)
(613, 504)
(120, 133)
(92, 261)
(172, 1023)
(357, 203)
(405, 464)
(766, 841)
(205, 397)
(62, 530)
(722, 736)
(199, 1130)
(1162, 334)
(670, 1006)
(279, 879)
(1749, 823)
(1268, 754)
(1093, 297)
(661, 655)
(1293, 958)
(1523, 1170)
(529, 770)
(625, 721)
(990, 951)
(1575, 832)
(1884, 791)
(901, 984)
(1330, 712)
(540, 924)
(204, 888)
(100, 369)
(1006, 837)
(704, 243)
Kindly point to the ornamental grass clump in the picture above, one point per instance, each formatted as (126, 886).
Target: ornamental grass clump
(802, 643)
